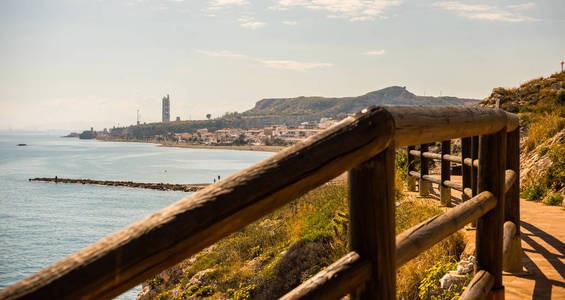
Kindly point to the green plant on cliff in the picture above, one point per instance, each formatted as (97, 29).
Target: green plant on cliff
(555, 175)
(429, 288)
(273, 255)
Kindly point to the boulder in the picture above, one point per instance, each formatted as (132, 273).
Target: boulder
(450, 279)
(146, 293)
(557, 86)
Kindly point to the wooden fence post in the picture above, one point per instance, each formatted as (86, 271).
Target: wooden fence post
(424, 185)
(492, 166)
(466, 171)
(445, 192)
(371, 213)
(512, 203)
(474, 171)
(411, 167)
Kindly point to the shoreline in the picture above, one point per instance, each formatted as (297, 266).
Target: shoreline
(260, 148)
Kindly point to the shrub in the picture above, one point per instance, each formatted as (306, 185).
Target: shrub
(553, 199)
(533, 192)
(560, 99)
(555, 175)
(430, 287)
(543, 150)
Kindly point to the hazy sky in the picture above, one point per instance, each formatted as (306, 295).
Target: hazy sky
(72, 64)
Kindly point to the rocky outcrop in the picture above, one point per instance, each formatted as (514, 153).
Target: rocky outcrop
(534, 163)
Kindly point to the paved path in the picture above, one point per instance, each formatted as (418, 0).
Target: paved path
(543, 242)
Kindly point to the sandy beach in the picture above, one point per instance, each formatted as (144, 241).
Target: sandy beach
(262, 148)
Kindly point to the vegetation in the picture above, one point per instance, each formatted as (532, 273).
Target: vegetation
(429, 288)
(540, 104)
(533, 192)
(273, 255)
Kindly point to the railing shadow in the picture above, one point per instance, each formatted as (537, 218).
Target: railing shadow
(543, 285)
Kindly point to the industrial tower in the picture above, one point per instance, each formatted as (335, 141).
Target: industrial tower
(166, 109)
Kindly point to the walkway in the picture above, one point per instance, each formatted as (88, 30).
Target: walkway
(543, 242)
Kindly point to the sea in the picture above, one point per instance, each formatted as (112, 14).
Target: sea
(41, 223)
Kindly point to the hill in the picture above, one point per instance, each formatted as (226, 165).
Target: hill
(308, 107)
(540, 105)
(292, 112)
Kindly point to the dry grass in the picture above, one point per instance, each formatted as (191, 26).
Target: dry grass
(275, 254)
(544, 127)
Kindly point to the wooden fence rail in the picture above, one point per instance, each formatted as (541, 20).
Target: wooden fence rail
(365, 146)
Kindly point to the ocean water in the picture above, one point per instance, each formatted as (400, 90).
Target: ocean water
(41, 223)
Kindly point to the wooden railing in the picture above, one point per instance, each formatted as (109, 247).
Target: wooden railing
(365, 146)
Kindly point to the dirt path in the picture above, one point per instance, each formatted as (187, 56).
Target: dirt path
(543, 241)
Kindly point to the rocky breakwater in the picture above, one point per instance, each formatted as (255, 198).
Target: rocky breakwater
(140, 185)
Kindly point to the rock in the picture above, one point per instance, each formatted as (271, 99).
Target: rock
(450, 279)
(198, 278)
(465, 267)
(255, 264)
(146, 293)
(499, 90)
(557, 86)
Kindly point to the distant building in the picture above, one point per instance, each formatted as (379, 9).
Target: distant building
(166, 109)
(178, 118)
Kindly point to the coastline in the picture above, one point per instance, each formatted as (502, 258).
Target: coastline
(261, 148)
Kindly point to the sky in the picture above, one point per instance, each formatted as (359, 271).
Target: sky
(76, 64)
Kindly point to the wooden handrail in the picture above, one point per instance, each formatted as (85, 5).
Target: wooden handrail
(426, 124)
(426, 234)
(479, 287)
(509, 233)
(340, 278)
(120, 261)
(437, 180)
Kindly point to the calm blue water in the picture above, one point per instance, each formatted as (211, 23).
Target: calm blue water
(41, 223)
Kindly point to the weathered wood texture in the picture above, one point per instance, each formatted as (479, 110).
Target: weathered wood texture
(474, 162)
(340, 278)
(424, 185)
(413, 241)
(479, 287)
(371, 213)
(509, 232)
(445, 190)
(438, 156)
(411, 167)
(120, 261)
(437, 180)
(512, 203)
(466, 169)
(471, 162)
(492, 166)
(427, 124)
(509, 180)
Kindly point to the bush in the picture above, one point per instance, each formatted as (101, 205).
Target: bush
(553, 199)
(555, 175)
(429, 288)
(533, 192)
(543, 150)
(560, 99)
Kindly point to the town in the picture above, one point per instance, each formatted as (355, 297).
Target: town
(273, 135)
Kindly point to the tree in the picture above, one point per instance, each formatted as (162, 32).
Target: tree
(208, 116)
